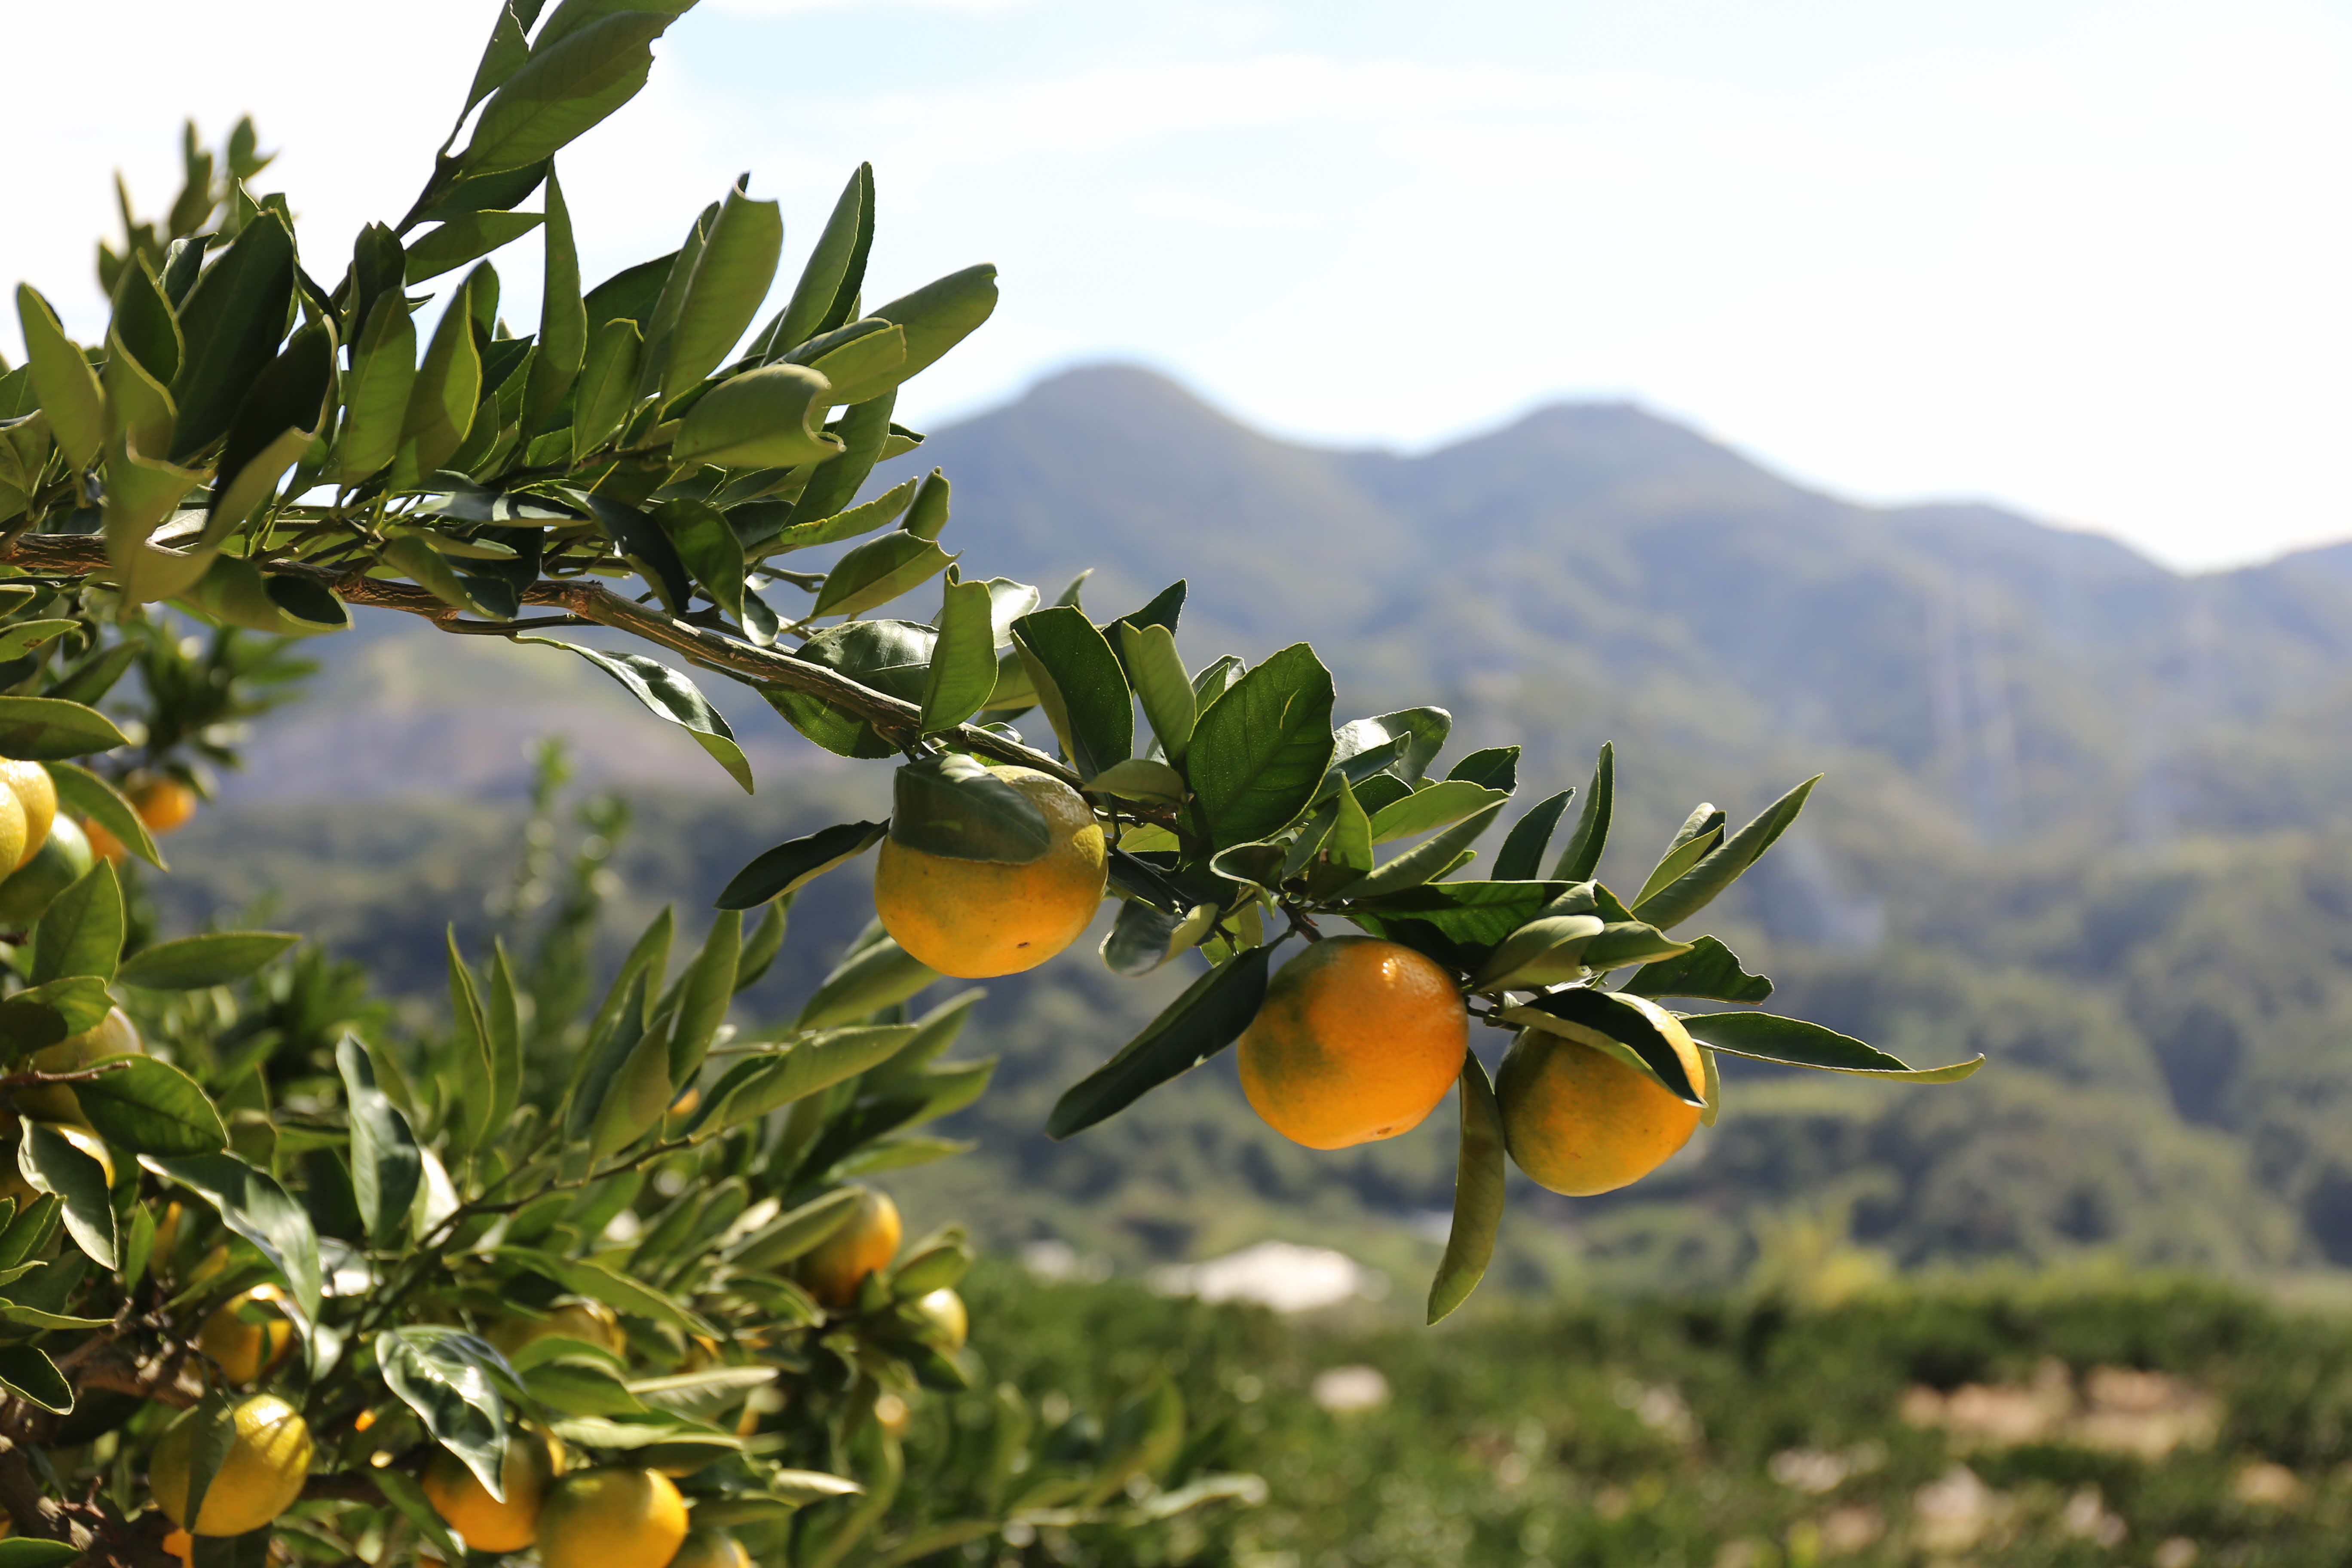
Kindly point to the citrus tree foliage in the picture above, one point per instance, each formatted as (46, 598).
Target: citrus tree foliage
(266, 436)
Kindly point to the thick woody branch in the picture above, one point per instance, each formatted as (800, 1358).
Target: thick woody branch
(82, 555)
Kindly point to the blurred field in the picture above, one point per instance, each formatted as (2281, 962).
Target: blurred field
(2012, 1423)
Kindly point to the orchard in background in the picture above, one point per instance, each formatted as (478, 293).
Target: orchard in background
(609, 1285)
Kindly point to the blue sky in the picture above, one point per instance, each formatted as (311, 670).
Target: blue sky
(2086, 259)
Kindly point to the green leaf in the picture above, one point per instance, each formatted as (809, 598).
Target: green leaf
(704, 993)
(1698, 835)
(862, 361)
(757, 1084)
(1696, 888)
(85, 793)
(954, 806)
(891, 656)
(280, 419)
(1259, 751)
(599, 1283)
(647, 547)
(668, 694)
(1478, 1178)
(941, 314)
(149, 1107)
(53, 1164)
(871, 978)
(771, 417)
(81, 930)
(70, 397)
(795, 863)
(1621, 942)
(387, 1167)
(1581, 857)
(606, 389)
(1158, 674)
(1459, 924)
(1430, 858)
(501, 57)
(562, 90)
(1546, 951)
(194, 962)
(1495, 768)
(861, 432)
(731, 276)
(1432, 806)
(927, 518)
(1421, 730)
(707, 548)
(27, 1372)
(1142, 937)
(795, 1233)
(1710, 971)
(1521, 857)
(463, 237)
(377, 391)
(45, 1015)
(1595, 1016)
(879, 512)
(426, 567)
(1079, 685)
(253, 1204)
(1795, 1043)
(563, 318)
(446, 1377)
(834, 271)
(1138, 779)
(1210, 1016)
(877, 571)
(448, 385)
(47, 730)
(21, 637)
(232, 322)
(963, 659)
(409, 1501)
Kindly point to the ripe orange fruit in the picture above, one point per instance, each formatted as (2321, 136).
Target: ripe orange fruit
(611, 1518)
(974, 919)
(36, 792)
(840, 1263)
(163, 804)
(182, 1545)
(533, 1461)
(1580, 1121)
(262, 1476)
(247, 1352)
(1358, 1038)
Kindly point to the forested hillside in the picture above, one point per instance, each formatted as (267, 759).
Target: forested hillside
(2082, 814)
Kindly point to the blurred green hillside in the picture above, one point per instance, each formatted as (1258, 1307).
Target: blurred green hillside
(2082, 814)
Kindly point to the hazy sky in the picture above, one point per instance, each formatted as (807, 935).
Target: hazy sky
(2089, 260)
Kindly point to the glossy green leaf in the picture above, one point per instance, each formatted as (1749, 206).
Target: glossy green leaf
(1545, 951)
(377, 391)
(731, 275)
(464, 237)
(756, 1084)
(880, 512)
(1621, 942)
(793, 864)
(1582, 856)
(1157, 672)
(1709, 972)
(873, 977)
(954, 806)
(280, 416)
(647, 547)
(562, 90)
(1142, 937)
(1696, 888)
(599, 1283)
(149, 1107)
(1423, 732)
(1429, 859)
(1697, 836)
(1479, 1174)
(1593, 1016)
(1521, 857)
(562, 345)
(429, 570)
(707, 547)
(53, 1164)
(927, 518)
(80, 933)
(1495, 768)
(796, 1232)
(704, 993)
(603, 395)
(963, 659)
(501, 57)
(877, 571)
(1432, 807)
(771, 417)
(891, 656)
(26, 1372)
(232, 322)
(835, 269)
(71, 399)
(941, 314)
(1259, 751)
(1079, 685)
(1795, 1043)
(864, 361)
(448, 385)
(1138, 779)
(1210, 1016)
(386, 1167)
(194, 962)
(42, 1016)
(444, 1375)
(668, 694)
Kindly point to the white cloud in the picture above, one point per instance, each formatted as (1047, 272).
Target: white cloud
(1517, 156)
(1787, 149)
